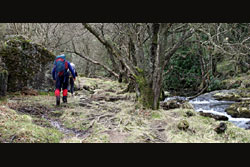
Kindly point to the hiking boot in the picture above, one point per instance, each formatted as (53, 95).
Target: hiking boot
(57, 100)
(64, 99)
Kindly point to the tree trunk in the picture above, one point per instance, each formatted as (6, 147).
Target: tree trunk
(149, 92)
(114, 64)
(146, 94)
(157, 87)
(146, 72)
(148, 97)
(87, 69)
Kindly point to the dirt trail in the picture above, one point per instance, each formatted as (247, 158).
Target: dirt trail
(96, 113)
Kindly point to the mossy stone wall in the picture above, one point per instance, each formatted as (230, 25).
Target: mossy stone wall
(27, 64)
(3, 82)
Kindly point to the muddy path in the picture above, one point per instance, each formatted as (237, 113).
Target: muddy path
(48, 117)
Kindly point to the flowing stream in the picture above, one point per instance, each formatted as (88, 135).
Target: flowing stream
(208, 104)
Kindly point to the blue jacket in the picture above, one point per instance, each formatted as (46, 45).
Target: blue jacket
(67, 74)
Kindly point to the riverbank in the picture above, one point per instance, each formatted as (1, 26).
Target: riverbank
(99, 113)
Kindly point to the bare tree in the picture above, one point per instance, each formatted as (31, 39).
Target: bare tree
(147, 77)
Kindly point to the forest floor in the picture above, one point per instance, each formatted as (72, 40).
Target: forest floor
(100, 113)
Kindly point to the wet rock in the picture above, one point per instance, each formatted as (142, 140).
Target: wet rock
(176, 103)
(221, 128)
(232, 96)
(239, 110)
(245, 94)
(170, 104)
(216, 117)
(183, 125)
(247, 125)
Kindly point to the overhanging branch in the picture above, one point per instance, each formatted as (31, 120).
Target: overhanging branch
(92, 61)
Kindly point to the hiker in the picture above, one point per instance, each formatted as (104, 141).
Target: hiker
(71, 80)
(60, 76)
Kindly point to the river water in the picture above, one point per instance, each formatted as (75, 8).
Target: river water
(208, 104)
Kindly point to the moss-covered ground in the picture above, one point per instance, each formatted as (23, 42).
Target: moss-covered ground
(99, 113)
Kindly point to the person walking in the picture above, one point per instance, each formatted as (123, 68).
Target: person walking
(71, 79)
(60, 76)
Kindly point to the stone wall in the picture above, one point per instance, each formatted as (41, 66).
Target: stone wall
(27, 63)
(3, 82)
(3, 78)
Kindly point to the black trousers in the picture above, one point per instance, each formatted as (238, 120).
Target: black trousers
(62, 82)
(71, 81)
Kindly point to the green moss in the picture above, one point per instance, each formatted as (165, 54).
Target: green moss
(146, 97)
(46, 93)
(129, 122)
(3, 82)
(156, 115)
(23, 59)
(183, 125)
(21, 129)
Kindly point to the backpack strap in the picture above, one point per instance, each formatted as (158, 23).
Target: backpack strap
(66, 65)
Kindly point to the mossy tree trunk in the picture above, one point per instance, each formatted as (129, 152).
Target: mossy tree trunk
(149, 95)
(147, 76)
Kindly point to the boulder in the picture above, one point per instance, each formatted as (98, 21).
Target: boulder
(28, 64)
(221, 128)
(183, 125)
(232, 96)
(239, 110)
(170, 104)
(176, 103)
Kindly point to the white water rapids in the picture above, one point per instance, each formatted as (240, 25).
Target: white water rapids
(208, 104)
